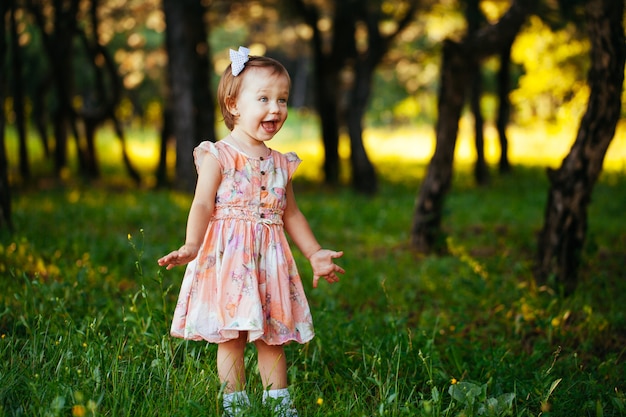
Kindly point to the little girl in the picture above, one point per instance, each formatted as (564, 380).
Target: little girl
(241, 283)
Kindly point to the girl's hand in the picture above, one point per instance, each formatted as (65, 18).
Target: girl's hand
(324, 267)
(182, 256)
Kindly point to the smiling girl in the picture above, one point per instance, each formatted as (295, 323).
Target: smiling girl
(241, 284)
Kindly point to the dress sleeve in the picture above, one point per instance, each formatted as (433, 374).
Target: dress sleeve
(203, 149)
(293, 161)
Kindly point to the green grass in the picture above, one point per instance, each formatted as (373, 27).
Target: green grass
(85, 311)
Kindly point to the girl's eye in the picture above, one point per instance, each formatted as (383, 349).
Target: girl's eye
(282, 100)
(263, 99)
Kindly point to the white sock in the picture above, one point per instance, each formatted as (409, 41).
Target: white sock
(235, 402)
(280, 402)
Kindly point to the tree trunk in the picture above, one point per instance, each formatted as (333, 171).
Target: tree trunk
(504, 107)
(183, 44)
(328, 63)
(40, 117)
(164, 138)
(59, 49)
(92, 167)
(481, 171)
(475, 19)
(106, 96)
(18, 96)
(426, 234)
(203, 97)
(364, 178)
(327, 78)
(5, 189)
(565, 226)
(180, 60)
(329, 117)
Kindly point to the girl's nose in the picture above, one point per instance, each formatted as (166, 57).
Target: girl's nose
(274, 107)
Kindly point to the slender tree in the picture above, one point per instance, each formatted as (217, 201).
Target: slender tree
(18, 93)
(458, 57)
(328, 62)
(40, 110)
(565, 225)
(58, 46)
(504, 106)
(60, 26)
(5, 190)
(475, 19)
(365, 63)
(337, 52)
(190, 115)
(106, 94)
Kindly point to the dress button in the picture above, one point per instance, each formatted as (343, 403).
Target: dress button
(262, 215)
(262, 172)
(262, 158)
(263, 187)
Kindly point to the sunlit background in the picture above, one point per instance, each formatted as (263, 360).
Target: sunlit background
(548, 98)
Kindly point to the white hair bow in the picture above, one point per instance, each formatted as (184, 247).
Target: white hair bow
(238, 59)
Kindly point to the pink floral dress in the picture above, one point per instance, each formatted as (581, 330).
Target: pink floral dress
(245, 277)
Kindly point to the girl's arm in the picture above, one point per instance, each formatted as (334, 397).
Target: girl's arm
(300, 232)
(200, 213)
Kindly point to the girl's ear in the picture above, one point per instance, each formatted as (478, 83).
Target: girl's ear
(231, 106)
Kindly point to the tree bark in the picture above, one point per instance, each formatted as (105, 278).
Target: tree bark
(504, 107)
(106, 96)
(481, 171)
(164, 138)
(59, 49)
(186, 42)
(426, 234)
(565, 226)
(364, 178)
(342, 54)
(475, 19)
(18, 95)
(203, 98)
(326, 66)
(5, 189)
(40, 116)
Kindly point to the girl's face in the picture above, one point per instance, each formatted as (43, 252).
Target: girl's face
(261, 107)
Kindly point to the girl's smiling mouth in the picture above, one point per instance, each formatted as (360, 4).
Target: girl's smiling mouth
(270, 126)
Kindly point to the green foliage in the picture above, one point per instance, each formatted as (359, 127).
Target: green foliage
(85, 311)
(553, 86)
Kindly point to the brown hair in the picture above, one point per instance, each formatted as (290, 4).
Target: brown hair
(230, 85)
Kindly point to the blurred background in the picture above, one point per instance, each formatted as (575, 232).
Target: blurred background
(91, 82)
(123, 90)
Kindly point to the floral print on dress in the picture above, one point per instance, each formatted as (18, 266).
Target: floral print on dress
(245, 277)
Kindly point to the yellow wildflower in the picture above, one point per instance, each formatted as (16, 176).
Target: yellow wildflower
(78, 410)
(320, 401)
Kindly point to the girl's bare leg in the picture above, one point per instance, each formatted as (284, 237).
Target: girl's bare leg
(273, 370)
(230, 363)
(272, 365)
